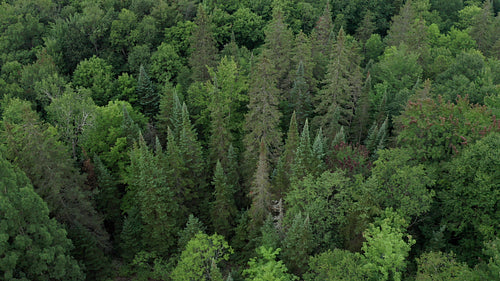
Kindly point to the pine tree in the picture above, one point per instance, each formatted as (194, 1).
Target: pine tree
(223, 209)
(263, 117)
(343, 86)
(149, 100)
(203, 46)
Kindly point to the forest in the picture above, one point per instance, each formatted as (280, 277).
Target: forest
(264, 140)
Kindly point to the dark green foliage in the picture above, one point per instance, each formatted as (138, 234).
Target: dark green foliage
(441, 266)
(287, 158)
(32, 245)
(202, 46)
(223, 209)
(298, 244)
(149, 100)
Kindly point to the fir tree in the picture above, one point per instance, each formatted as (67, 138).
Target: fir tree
(300, 99)
(193, 227)
(343, 86)
(223, 209)
(149, 100)
(170, 113)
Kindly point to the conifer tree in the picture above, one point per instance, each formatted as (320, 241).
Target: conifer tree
(322, 39)
(304, 159)
(278, 43)
(302, 53)
(300, 99)
(259, 190)
(203, 46)
(193, 164)
(298, 244)
(223, 209)
(319, 152)
(483, 30)
(149, 100)
(342, 87)
(263, 117)
(150, 192)
(193, 227)
(287, 158)
(362, 113)
(170, 113)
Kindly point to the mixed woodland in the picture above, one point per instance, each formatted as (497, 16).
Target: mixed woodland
(249, 140)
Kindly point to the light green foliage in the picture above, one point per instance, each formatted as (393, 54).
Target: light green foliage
(248, 28)
(265, 267)
(120, 32)
(124, 89)
(32, 245)
(386, 247)
(313, 196)
(108, 139)
(200, 258)
(490, 270)
(165, 63)
(398, 181)
(394, 79)
(336, 265)
(438, 266)
(468, 76)
(96, 75)
(374, 47)
(72, 114)
(304, 161)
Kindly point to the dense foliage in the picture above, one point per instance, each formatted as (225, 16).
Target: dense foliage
(249, 140)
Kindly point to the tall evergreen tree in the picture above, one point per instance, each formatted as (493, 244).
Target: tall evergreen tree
(152, 195)
(170, 112)
(304, 158)
(322, 39)
(262, 119)
(279, 43)
(342, 87)
(223, 209)
(203, 46)
(287, 158)
(300, 99)
(260, 190)
(149, 100)
(298, 244)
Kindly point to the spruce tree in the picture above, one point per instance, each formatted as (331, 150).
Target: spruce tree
(223, 209)
(278, 44)
(259, 190)
(300, 99)
(342, 87)
(263, 117)
(298, 244)
(149, 100)
(203, 46)
(322, 39)
(304, 159)
(287, 159)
